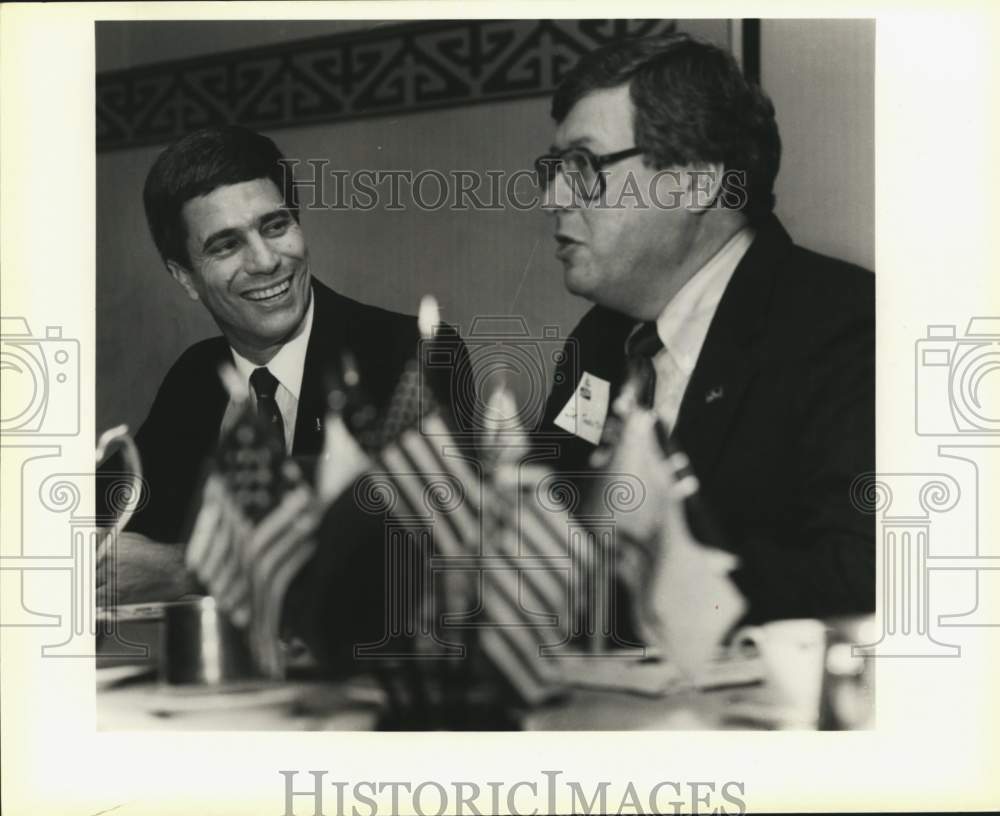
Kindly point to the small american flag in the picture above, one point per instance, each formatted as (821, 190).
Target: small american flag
(437, 482)
(253, 533)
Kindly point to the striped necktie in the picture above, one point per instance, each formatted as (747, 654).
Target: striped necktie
(640, 348)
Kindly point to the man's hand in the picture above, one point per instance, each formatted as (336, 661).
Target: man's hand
(139, 569)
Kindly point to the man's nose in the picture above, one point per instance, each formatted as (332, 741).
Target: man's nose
(261, 256)
(558, 194)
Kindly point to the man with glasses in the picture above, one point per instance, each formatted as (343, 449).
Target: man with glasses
(659, 186)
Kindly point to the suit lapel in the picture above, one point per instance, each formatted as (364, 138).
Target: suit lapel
(327, 337)
(730, 357)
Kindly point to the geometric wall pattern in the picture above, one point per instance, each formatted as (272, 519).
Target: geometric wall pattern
(351, 75)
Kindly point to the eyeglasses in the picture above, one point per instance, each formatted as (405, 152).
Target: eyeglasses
(581, 167)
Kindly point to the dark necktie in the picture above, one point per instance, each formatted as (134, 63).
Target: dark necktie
(265, 386)
(640, 348)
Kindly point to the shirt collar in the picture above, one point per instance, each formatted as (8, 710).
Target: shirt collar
(288, 364)
(683, 323)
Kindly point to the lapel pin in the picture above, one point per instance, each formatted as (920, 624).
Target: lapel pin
(714, 394)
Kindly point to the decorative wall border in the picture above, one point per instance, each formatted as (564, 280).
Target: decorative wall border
(346, 76)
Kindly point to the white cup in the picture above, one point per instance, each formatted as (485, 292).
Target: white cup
(792, 653)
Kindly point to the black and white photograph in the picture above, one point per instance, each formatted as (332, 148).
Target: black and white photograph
(528, 410)
(421, 409)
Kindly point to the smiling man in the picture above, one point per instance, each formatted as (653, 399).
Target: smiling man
(248, 264)
(223, 215)
(759, 355)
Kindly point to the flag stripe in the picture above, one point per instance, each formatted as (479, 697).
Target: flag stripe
(543, 587)
(453, 546)
(506, 582)
(535, 540)
(529, 673)
(282, 579)
(529, 687)
(221, 549)
(545, 583)
(281, 544)
(207, 522)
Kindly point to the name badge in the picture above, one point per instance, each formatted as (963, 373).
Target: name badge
(587, 409)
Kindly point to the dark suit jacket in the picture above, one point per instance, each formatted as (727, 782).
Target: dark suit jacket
(792, 346)
(182, 428)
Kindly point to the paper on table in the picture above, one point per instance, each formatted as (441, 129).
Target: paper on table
(648, 677)
(657, 678)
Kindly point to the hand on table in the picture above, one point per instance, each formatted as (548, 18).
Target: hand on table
(138, 569)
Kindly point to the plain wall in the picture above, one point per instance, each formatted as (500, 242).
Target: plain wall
(820, 74)
(476, 263)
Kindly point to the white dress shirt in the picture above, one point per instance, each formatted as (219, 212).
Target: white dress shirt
(683, 324)
(287, 367)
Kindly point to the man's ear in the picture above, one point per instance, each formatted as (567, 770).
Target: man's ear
(185, 277)
(703, 186)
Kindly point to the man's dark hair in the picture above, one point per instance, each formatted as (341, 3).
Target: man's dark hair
(692, 104)
(195, 166)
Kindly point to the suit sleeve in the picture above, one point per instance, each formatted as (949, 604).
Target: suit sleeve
(821, 562)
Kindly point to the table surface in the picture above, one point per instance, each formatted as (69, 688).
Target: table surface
(130, 698)
(145, 705)
(141, 703)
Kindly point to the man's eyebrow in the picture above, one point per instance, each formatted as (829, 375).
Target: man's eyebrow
(277, 211)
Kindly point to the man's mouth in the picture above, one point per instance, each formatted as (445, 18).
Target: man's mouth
(270, 293)
(566, 246)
